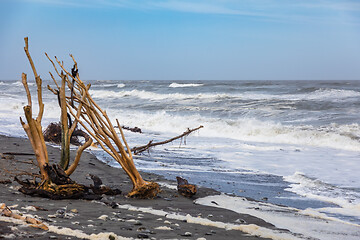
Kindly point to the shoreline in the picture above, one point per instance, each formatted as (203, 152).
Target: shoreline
(169, 216)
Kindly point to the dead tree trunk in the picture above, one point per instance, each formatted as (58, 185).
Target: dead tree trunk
(97, 123)
(33, 126)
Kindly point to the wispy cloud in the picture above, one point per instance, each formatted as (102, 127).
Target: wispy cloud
(348, 6)
(278, 10)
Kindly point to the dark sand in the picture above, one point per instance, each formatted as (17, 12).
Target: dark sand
(122, 222)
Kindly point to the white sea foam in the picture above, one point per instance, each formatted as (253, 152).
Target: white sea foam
(251, 229)
(308, 224)
(348, 200)
(181, 85)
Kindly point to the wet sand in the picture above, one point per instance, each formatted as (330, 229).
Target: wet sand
(169, 216)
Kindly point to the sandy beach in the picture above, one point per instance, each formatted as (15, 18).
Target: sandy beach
(169, 216)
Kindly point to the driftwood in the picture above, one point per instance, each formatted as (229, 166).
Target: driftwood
(18, 153)
(184, 188)
(97, 124)
(137, 150)
(5, 211)
(134, 129)
(99, 188)
(53, 134)
(55, 182)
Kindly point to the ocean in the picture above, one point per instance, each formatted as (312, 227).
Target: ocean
(289, 143)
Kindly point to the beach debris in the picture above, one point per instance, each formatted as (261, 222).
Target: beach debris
(61, 187)
(137, 150)
(99, 188)
(52, 182)
(6, 156)
(97, 124)
(6, 181)
(52, 133)
(134, 129)
(184, 188)
(5, 211)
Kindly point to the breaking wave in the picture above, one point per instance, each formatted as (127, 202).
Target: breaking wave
(318, 95)
(250, 129)
(181, 85)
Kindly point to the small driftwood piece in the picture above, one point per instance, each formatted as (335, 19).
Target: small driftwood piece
(53, 134)
(18, 154)
(99, 189)
(137, 150)
(5, 211)
(134, 129)
(184, 188)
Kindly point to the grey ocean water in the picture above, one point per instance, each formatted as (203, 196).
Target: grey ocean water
(294, 143)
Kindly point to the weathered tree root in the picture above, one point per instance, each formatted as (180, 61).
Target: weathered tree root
(53, 191)
(184, 188)
(59, 185)
(147, 191)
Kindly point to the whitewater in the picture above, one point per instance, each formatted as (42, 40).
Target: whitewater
(293, 143)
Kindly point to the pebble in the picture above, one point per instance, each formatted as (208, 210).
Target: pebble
(187, 234)
(142, 235)
(103, 217)
(240, 220)
(129, 228)
(138, 223)
(74, 210)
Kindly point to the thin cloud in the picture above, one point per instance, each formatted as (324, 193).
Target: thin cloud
(348, 6)
(318, 11)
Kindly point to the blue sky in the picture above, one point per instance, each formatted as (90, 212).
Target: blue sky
(185, 40)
